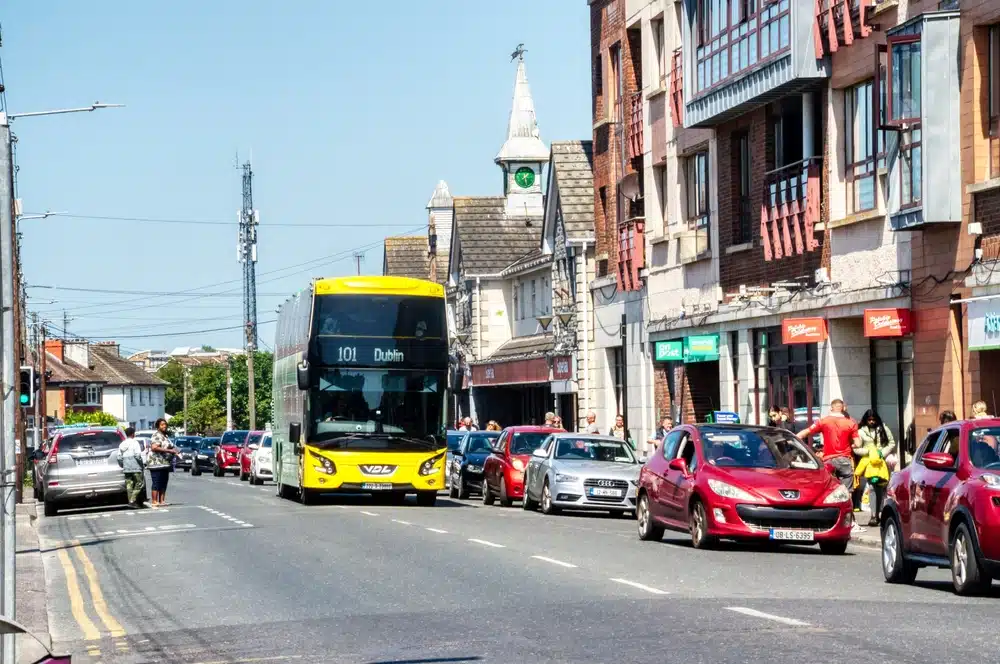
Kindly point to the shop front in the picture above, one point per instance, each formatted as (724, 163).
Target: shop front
(687, 385)
(984, 338)
(890, 335)
(512, 392)
(785, 361)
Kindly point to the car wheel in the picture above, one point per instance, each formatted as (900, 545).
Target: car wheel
(195, 471)
(50, 508)
(505, 500)
(547, 506)
(895, 567)
(527, 503)
(698, 525)
(967, 575)
(426, 498)
(488, 497)
(834, 547)
(648, 531)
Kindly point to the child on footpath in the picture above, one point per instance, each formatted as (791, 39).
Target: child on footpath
(876, 474)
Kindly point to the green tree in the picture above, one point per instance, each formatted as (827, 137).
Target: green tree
(173, 373)
(263, 370)
(83, 417)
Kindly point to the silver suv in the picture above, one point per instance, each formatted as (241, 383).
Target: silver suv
(81, 466)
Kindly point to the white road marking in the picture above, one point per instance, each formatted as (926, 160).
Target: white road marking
(486, 543)
(369, 513)
(554, 561)
(248, 525)
(400, 521)
(438, 531)
(767, 616)
(641, 586)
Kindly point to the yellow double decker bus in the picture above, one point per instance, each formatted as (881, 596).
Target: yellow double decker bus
(360, 376)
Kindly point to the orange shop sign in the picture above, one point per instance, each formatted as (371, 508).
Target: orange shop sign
(888, 322)
(803, 330)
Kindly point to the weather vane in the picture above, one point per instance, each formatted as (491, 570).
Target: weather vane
(518, 52)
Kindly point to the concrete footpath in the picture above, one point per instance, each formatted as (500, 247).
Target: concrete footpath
(872, 535)
(32, 610)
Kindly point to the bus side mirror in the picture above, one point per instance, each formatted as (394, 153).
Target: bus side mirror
(302, 375)
(294, 434)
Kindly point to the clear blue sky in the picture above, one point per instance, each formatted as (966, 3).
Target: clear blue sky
(352, 114)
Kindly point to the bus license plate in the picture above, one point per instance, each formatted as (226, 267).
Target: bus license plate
(377, 486)
(792, 535)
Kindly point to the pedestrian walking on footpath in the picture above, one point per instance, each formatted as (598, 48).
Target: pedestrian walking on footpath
(619, 431)
(467, 425)
(130, 455)
(876, 473)
(161, 454)
(873, 433)
(840, 437)
(550, 419)
(591, 426)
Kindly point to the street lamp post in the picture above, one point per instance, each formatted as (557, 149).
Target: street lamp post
(8, 359)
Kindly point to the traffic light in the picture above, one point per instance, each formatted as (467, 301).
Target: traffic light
(26, 389)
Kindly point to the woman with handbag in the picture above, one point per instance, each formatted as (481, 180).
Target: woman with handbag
(161, 454)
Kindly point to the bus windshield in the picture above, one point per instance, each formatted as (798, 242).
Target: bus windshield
(388, 316)
(376, 408)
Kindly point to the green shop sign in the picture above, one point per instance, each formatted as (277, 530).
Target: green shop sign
(701, 348)
(669, 351)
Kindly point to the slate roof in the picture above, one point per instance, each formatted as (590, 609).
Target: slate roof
(68, 371)
(532, 261)
(489, 240)
(573, 169)
(116, 370)
(523, 347)
(406, 256)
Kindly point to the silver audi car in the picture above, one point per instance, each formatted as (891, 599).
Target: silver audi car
(582, 471)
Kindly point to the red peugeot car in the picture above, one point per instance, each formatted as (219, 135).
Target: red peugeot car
(227, 454)
(503, 470)
(742, 482)
(245, 454)
(943, 510)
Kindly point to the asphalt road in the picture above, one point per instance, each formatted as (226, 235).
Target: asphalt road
(231, 573)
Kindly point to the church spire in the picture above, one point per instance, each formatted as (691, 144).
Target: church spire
(523, 143)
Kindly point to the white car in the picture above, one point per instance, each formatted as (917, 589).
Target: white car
(260, 463)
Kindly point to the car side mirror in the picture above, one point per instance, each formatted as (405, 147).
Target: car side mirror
(294, 434)
(302, 375)
(254, 446)
(678, 465)
(457, 453)
(539, 453)
(938, 461)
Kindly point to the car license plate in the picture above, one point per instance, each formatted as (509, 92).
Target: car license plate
(377, 486)
(792, 535)
(610, 493)
(88, 461)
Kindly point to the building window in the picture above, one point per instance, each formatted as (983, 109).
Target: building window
(93, 394)
(659, 53)
(521, 284)
(696, 185)
(142, 397)
(660, 182)
(598, 75)
(618, 374)
(904, 84)
(131, 396)
(616, 83)
(744, 222)
(858, 151)
(735, 35)
(910, 167)
(534, 298)
(785, 377)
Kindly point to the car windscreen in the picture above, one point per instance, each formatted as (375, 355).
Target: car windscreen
(265, 442)
(454, 440)
(527, 442)
(594, 449)
(756, 448)
(98, 441)
(209, 444)
(984, 447)
(481, 443)
(387, 316)
(234, 437)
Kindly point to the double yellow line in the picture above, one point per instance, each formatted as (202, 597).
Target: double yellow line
(76, 600)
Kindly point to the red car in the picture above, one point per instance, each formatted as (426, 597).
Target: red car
(227, 453)
(742, 482)
(943, 510)
(245, 454)
(503, 470)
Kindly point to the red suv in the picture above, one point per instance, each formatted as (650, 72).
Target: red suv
(943, 510)
(503, 470)
(245, 454)
(227, 453)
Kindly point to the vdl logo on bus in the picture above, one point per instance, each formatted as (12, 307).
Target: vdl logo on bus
(377, 469)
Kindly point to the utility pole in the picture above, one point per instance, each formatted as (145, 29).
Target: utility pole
(624, 335)
(65, 325)
(39, 351)
(8, 460)
(251, 391)
(186, 370)
(43, 386)
(229, 393)
(246, 253)
(358, 257)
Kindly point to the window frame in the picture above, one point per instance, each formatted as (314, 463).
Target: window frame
(854, 138)
(700, 216)
(93, 394)
(751, 19)
(744, 174)
(890, 42)
(906, 170)
(993, 76)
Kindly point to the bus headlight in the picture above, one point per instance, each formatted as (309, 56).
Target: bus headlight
(324, 465)
(429, 467)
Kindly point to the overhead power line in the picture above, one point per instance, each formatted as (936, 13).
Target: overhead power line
(217, 222)
(139, 292)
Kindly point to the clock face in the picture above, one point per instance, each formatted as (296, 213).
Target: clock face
(524, 177)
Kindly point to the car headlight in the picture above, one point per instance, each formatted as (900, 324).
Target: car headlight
(518, 464)
(838, 495)
(635, 482)
(430, 466)
(991, 480)
(325, 465)
(560, 477)
(474, 469)
(729, 491)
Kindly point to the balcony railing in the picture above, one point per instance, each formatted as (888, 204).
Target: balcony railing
(790, 209)
(677, 88)
(631, 253)
(839, 23)
(635, 126)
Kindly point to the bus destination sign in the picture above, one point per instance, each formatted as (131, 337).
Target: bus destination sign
(362, 352)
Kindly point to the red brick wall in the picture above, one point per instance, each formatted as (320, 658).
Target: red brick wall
(662, 404)
(987, 213)
(749, 267)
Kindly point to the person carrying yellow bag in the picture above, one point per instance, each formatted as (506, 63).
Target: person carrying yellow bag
(876, 473)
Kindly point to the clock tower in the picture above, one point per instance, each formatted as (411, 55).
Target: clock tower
(523, 153)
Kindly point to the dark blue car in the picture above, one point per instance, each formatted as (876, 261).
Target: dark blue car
(466, 471)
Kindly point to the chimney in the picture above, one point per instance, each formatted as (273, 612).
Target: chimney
(55, 347)
(78, 351)
(111, 346)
